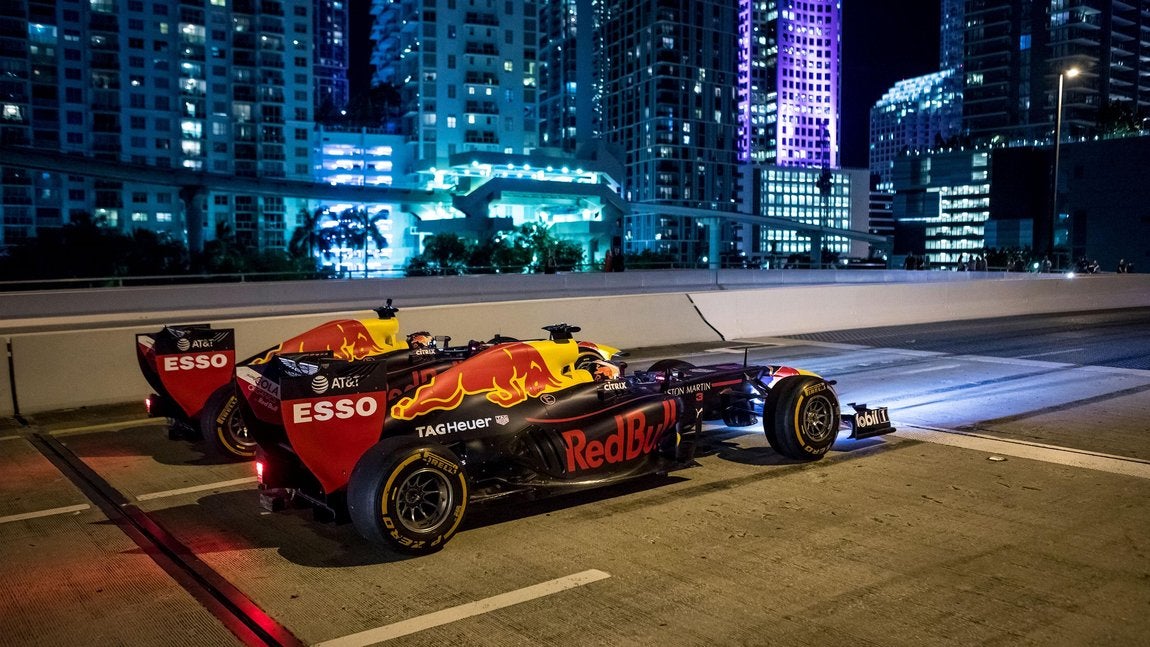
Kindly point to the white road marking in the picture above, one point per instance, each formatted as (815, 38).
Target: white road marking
(195, 488)
(10, 437)
(1033, 451)
(1053, 352)
(107, 426)
(929, 369)
(45, 513)
(413, 625)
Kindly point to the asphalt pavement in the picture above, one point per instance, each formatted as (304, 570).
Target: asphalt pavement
(1009, 508)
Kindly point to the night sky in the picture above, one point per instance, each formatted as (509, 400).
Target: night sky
(884, 41)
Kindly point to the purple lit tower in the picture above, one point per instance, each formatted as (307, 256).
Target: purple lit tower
(789, 70)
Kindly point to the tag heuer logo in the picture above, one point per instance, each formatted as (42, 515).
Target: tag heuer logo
(502, 420)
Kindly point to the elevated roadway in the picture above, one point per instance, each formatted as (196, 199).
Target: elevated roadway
(75, 348)
(1007, 509)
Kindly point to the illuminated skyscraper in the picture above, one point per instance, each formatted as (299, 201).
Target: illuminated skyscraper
(570, 73)
(1015, 50)
(331, 55)
(789, 66)
(669, 104)
(200, 85)
(465, 71)
(914, 115)
(922, 112)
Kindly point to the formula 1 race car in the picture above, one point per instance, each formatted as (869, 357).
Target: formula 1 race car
(192, 370)
(400, 446)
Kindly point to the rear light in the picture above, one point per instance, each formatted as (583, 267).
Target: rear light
(150, 405)
(260, 472)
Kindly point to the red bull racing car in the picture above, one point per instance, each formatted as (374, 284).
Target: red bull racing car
(401, 444)
(192, 370)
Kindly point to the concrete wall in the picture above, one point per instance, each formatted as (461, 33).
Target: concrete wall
(85, 366)
(794, 310)
(327, 295)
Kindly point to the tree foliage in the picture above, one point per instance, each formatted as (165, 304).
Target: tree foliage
(531, 247)
(87, 247)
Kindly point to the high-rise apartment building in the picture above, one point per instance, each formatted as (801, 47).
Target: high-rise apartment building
(1016, 49)
(707, 99)
(670, 106)
(223, 86)
(915, 115)
(951, 28)
(570, 71)
(923, 112)
(466, 72)
(789, 66)
(330, 27)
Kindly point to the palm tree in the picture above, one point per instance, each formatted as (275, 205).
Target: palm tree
(306, 240)
(355, 228)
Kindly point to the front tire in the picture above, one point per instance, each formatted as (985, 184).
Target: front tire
(409, 494)
(223, 427)
(801, 417)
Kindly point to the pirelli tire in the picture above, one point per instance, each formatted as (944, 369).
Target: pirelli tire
(222, 426)
(409, 494)
(801, 417)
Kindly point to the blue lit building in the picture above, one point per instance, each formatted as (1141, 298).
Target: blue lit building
(916, 114)
(923, 112)
(942, 204)
(199, 85)
(571, 58)
(788, 82)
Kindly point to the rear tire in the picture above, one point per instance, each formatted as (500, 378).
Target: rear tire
(409, 494)
(801, 417)
(223, 428)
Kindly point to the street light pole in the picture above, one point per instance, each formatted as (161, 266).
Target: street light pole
(1071, 73)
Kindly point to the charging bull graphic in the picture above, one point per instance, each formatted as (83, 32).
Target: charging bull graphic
(508, 373)
(346, 338)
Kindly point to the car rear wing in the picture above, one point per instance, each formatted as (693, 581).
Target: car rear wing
(185, 364)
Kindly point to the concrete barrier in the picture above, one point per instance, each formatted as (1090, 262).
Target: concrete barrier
(284, 297)
(87, 366)
(795, 310)
(77, 368)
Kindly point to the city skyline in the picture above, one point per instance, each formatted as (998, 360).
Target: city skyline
(878, 51)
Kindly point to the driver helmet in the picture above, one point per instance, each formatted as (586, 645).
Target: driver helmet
(417, 340)
(603, 370)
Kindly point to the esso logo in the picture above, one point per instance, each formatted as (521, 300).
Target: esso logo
(342, 409)
(195, 362)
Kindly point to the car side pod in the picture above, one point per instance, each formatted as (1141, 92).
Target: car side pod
(866, 422)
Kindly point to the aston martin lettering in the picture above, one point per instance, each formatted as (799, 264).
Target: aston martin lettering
(445, 428)
(342, 409)
(195, 362)
(690, 388)
(633, 437)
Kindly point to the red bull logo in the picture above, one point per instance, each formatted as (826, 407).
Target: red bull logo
(508, 374)
(633, 437)
(349, 339)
